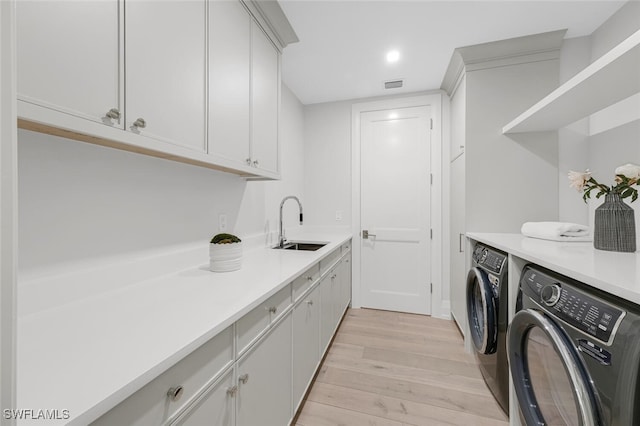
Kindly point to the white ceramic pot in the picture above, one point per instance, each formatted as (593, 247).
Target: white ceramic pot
(225, 257)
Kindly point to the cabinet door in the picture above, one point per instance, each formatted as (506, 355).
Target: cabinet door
(264, 380)
(165, 70)
(265, 95)
(456, 250)
(68, 57)
(215, 407)
(306, 343)
(328, 308)
(229, 81)
(345, 284)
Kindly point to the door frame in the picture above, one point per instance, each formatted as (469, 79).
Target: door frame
(440, 305)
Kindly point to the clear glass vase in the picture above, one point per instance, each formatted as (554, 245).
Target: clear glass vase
(615, 225)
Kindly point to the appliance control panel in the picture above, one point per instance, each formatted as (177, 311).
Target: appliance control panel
(587, 313)
(489, 259)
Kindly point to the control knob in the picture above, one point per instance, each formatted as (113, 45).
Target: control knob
(550, 294)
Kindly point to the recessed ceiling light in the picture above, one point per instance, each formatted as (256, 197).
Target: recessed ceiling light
(393, 56)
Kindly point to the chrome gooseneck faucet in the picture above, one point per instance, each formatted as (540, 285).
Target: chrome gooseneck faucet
(281, 238)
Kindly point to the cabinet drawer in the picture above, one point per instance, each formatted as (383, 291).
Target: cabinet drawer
(252, 324)
(328, 262)
(152, 404)
(304, 281)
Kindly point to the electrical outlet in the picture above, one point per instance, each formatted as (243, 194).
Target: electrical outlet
(338, 215)
(222, 222)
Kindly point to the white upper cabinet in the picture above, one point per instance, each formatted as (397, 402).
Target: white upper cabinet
(265, 96)
(244, 89)
(165, 70)
(195, 81)
(68, 57)
(229, 82)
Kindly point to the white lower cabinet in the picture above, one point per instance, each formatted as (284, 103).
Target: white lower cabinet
(306, 343)
(278, 350)
(345, 283)
(332, 295)
(264, 380)
(216, 407)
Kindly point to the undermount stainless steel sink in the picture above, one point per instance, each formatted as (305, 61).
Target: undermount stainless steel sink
(301, 246)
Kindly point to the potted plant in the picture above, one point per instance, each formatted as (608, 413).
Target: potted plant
(225, 253)
(614, 227)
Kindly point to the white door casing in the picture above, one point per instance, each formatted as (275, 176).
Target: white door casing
(434, 294)
(394, 209)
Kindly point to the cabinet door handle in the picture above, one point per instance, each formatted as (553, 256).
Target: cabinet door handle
(175, 393)
(113, 113)
(244, 378)
(140, 123)
(310, 302)
(272, 309)
(248, 160)
(255, 163)
(232, 391)
(461, 243)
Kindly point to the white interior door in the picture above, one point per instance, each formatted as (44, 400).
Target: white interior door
(395, 210)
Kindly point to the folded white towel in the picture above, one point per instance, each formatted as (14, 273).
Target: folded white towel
(556, 231)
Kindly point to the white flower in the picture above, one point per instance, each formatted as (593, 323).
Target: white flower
(630, 171)
(579, 179)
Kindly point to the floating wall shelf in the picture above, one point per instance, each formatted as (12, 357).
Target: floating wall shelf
(611, 78)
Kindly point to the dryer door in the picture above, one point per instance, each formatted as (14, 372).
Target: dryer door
(549, 376)
(482, 311)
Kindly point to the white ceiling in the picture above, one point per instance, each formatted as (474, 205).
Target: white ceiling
(342, 48)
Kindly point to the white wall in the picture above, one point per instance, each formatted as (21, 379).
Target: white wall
(327, 179)
(573, 139)
(82, 202)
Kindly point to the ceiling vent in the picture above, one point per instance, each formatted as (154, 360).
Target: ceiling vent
(393, 84)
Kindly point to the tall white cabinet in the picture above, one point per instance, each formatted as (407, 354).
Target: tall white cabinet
(498, 182)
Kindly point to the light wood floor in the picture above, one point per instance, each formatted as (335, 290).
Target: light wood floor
(387, 368)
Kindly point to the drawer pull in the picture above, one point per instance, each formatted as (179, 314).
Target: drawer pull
(244, 378)
(310, 302)
(140, 123)
(272, 309)
(232, 391)
(113, 113)
(309, 278)
(175, 393)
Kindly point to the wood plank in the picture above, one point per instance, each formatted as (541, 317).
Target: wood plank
(408, 412)
(429, 376)
(462, 368)
(314, 414)
(483, 405)
(402, 368)
(425, 336)
(443, 350)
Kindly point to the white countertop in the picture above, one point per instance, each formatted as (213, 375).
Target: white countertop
(612, 272)
(89, 355)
